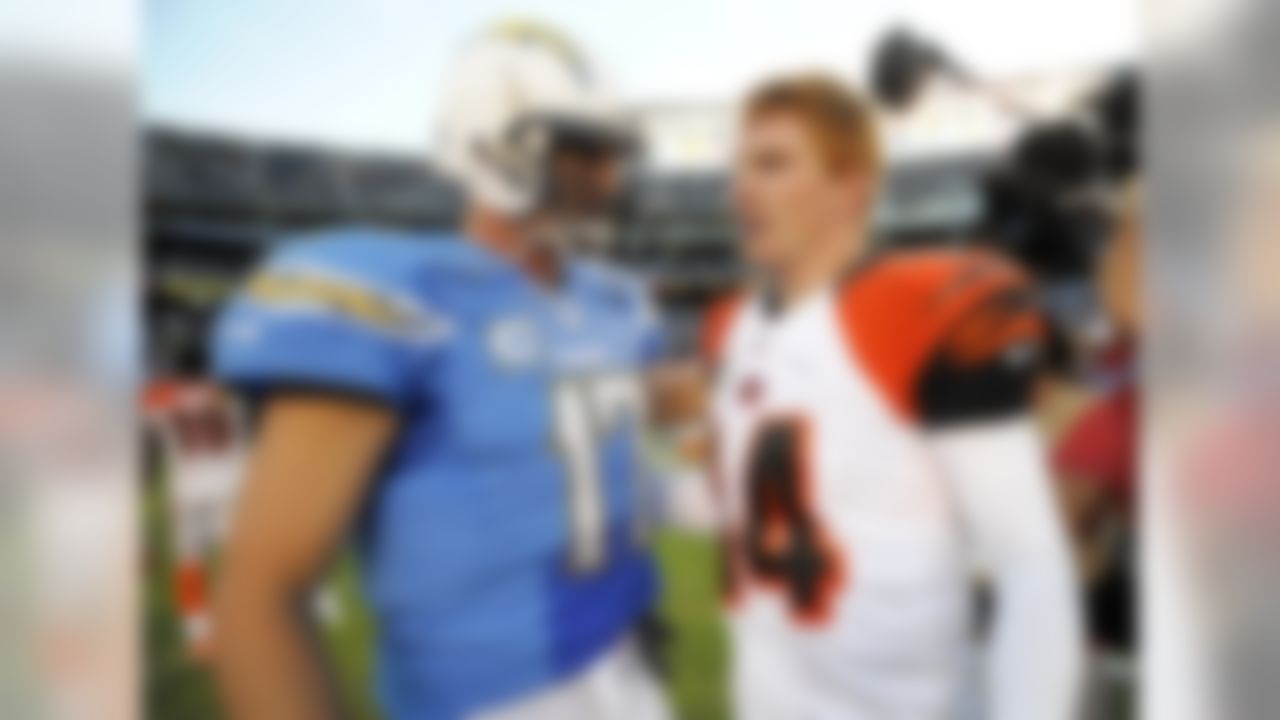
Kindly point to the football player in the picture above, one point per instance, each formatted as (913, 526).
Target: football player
(202, 451)
(467, 405)
(874, 448)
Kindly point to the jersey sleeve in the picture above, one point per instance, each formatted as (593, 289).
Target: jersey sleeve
(330, 315)
(948, 336)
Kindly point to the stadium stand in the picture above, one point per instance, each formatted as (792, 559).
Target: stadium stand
(214, 203)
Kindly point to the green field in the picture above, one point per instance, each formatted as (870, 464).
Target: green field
(178, 689)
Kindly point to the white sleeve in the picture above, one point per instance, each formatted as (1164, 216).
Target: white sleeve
(1004, 495)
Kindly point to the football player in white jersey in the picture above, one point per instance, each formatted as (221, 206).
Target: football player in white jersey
(202, 444)
(874, 451)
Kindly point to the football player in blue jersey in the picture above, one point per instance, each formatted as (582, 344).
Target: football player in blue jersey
(466, 407)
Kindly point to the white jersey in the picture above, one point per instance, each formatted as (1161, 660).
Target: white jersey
(847, 582)
(619, 685)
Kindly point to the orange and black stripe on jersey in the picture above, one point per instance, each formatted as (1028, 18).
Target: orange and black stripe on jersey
(946, 335)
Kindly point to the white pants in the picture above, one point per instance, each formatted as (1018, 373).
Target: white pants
(618, 686)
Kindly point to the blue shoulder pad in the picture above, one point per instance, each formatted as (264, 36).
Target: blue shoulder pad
(344, 309)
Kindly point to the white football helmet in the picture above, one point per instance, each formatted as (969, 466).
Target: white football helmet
(512, 89)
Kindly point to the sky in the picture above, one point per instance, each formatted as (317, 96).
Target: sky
(364, 73)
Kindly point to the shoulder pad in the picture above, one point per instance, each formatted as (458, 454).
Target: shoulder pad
(366, 276)
(909, 310)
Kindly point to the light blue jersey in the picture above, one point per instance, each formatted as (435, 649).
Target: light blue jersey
(501, 545)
